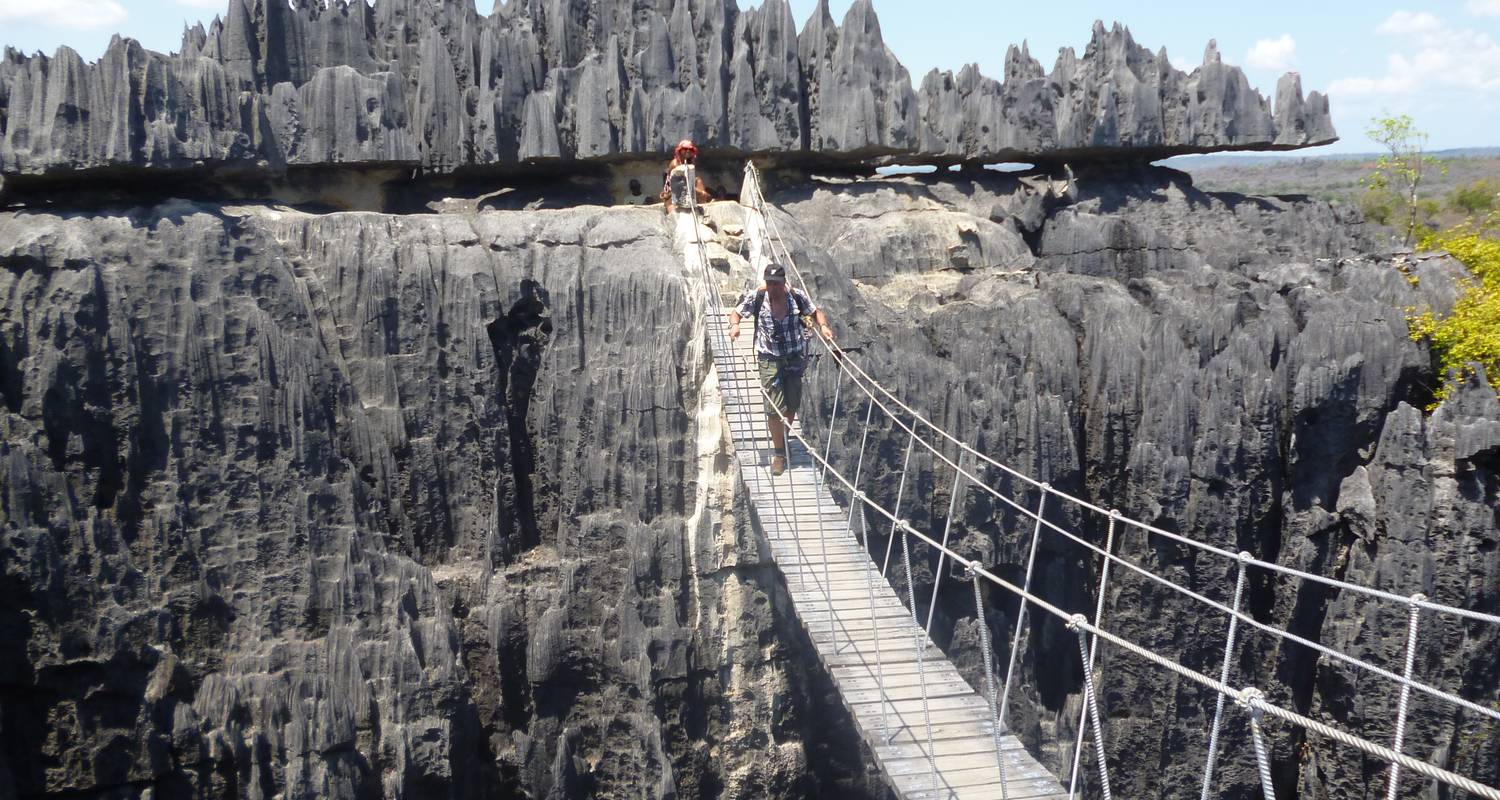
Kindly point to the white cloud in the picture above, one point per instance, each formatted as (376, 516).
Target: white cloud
(1273, 54)
(1429, 54)
(1406, 23)
(75, 14)
(1483, 8)
(211, 5)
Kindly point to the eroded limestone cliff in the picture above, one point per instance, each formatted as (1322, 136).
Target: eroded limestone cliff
(365, 505)
(356, 504)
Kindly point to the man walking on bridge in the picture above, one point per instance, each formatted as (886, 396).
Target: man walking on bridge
(780, 348)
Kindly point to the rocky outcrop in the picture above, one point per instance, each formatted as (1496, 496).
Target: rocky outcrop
(1422, 515)
(270, 87)
(360, 505)
(1234, 369)
(1118, 98)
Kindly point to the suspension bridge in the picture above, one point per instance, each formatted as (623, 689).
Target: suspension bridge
(933, 734)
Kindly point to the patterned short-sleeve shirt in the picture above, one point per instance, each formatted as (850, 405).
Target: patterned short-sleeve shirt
(773, 337)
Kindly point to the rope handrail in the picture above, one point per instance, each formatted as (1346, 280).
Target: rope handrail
(1078, 621)
(1186, 592)
(1250, 699)
(861, 380)
(830, 347)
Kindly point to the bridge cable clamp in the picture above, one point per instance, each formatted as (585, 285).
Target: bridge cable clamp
(1253, 700)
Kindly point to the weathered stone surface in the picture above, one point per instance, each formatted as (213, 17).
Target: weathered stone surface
(861, 92)
(1118, 97)
(1425, 517)
(1233, 369)
(437, 87)
(363, 505)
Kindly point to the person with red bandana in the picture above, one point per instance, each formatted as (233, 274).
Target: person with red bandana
(682, 177)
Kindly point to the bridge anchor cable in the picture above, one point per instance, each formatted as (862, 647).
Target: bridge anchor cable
(1229, 642)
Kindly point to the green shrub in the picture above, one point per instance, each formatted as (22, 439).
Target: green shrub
(1377, 206)
(1475, 198)
(1426, 216)
(1471, 334)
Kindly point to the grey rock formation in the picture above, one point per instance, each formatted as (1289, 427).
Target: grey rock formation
(1424, 515)
(360, 505)
(859, 96)
(270, 87)
(1118, 97)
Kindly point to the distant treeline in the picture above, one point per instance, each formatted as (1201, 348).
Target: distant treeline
(1468, 188)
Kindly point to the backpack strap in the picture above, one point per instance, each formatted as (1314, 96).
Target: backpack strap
(794, 306)
(760, 298)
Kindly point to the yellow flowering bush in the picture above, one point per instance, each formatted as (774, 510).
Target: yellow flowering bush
(1471, 334)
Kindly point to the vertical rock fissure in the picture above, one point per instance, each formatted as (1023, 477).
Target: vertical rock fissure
(12, 386)
(519, 339)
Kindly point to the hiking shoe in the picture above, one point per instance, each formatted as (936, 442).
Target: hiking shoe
(778, 465)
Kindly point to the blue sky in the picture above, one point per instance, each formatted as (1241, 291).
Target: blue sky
(1438, 61)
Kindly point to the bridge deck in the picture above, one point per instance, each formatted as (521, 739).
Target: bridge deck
(807, 530)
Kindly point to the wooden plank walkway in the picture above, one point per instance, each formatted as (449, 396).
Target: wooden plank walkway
(809, 538)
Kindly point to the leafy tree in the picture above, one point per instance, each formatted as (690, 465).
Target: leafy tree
(1471, 334)
(1377, 206)
(1479, 197)
(1428, 210)
(1399, 172)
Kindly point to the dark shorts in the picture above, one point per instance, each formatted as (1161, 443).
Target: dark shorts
(783, 390)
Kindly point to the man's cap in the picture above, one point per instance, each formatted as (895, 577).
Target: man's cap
(775, 273)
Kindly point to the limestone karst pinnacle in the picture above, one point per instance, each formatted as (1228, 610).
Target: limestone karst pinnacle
(436, 86)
